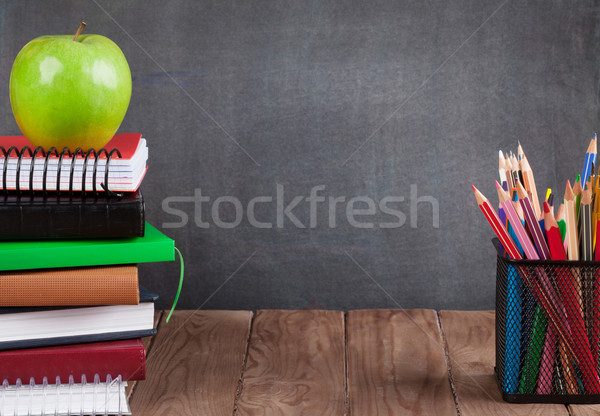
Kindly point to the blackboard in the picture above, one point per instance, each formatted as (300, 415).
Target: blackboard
(388, 109)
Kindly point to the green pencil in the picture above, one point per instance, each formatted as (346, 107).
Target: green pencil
(533, 356)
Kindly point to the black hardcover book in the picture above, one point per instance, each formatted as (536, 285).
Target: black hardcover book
(71, 216)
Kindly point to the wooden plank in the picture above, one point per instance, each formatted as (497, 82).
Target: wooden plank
(397, 364)
(194, 365)
(470, 340)
(584, 409)
(295, 365)
(147, 343)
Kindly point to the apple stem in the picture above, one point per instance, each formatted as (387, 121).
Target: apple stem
(79, 30)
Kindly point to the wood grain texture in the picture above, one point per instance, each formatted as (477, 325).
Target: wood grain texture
(397, 364)
(584, 409)
(295, 365)
(195, 364)
(470, 339)
(147, 344)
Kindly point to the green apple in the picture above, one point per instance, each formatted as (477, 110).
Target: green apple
(70, 91)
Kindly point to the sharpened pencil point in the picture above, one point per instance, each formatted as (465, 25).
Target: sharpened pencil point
(474, 189)
(569, 196)
(521, 192)
(546, 207)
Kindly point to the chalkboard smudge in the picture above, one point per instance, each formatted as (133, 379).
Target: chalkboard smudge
(183, 78)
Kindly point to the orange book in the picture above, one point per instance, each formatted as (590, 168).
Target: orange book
(77, 286)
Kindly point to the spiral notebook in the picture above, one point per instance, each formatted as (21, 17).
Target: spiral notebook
(120, 166)
(65, 397)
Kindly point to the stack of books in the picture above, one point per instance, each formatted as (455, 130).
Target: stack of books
(72, 313)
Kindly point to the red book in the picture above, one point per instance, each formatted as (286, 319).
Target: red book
(124, 357)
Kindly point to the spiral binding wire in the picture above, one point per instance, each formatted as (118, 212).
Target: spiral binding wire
(53, 396)
(20, 153)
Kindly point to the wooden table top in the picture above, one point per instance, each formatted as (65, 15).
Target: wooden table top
(317, 362)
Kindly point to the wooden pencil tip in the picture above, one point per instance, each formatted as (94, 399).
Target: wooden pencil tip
(586, 198)
(521, 192)
(498, 186)
(569, 192)
(546, 207)
(474, 188)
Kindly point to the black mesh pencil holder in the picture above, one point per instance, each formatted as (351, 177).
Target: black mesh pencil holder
(547, 331)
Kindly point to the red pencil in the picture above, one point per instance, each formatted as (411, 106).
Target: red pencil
(492, 217)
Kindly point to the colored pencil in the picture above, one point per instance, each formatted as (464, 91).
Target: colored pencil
(562, 224)
(519, 151)
(596, 204)
(515, 169)
(571, 221)
(518, 209)
(538, 330)
(515, 221)
(587, 254)
(544, 385)
(557, 251)
(531, 364)
(590, 157)
(534, 226)
(508, 169)
(577, 190)
(585, 226)
(501, 167)
(529, 183)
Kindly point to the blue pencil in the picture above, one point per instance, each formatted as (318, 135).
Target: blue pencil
(590, 157)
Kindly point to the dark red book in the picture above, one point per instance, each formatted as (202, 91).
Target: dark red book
(124, 357)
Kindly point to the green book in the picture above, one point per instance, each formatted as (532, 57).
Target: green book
(27, 254)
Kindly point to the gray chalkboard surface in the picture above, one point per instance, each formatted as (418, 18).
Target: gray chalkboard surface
(321, 153)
